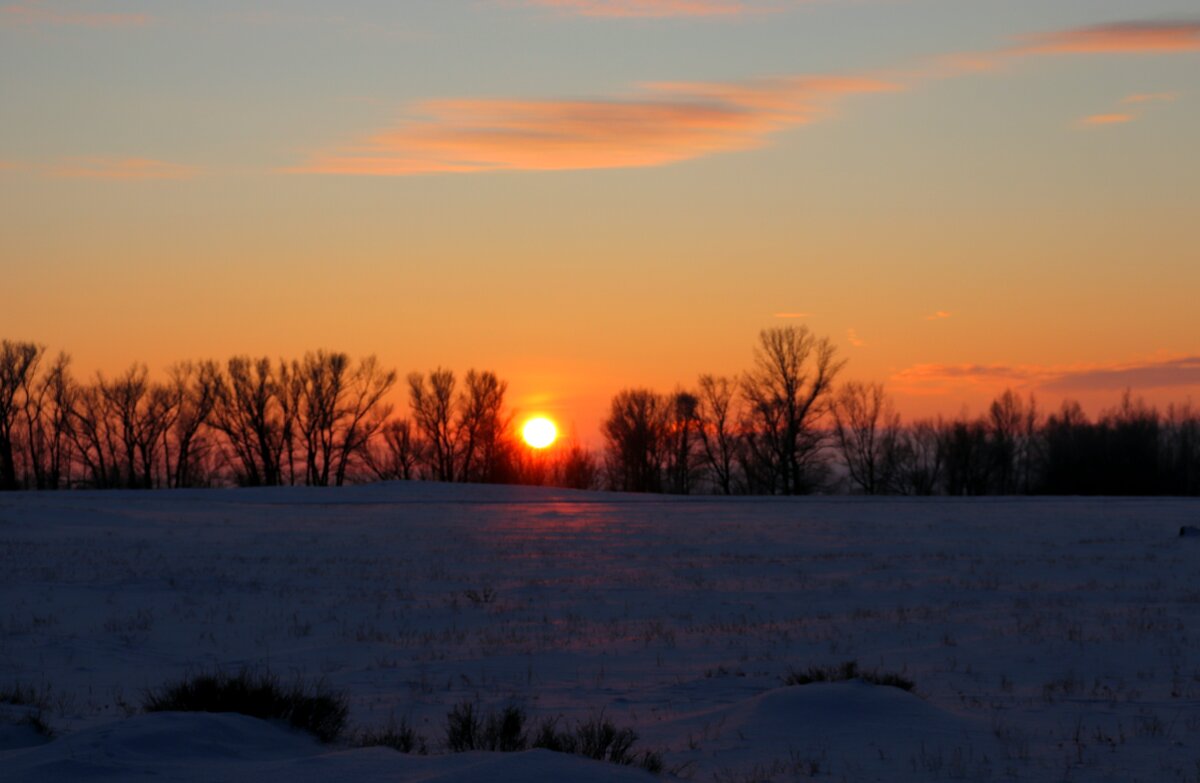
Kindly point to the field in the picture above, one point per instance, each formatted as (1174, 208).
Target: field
(1048, 639)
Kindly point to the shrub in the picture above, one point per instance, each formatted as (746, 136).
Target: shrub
(397, 736)
(847, 671)
(28, 696)
(309, 707)
(505, 731)
(502, 731)
(598, 739)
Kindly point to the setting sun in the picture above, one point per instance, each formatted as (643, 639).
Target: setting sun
(539, 432)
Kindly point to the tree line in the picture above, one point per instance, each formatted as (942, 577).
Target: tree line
(784, 427)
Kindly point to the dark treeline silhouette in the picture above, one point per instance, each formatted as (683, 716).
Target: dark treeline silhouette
(320, 420)
(783, 427)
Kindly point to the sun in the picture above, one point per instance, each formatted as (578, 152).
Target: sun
(539, 432)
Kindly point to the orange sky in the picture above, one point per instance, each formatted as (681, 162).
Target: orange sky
(585, 195)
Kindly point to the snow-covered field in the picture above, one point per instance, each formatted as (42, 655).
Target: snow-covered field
(1049, 639)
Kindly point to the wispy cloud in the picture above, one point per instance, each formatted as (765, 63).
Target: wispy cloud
(1107, 119)
(121, 169)
(662, 123)
(656, 125)
(1169, 373)
(931, 379)
(792, 315)
(649, 8)
(853, 338)
(938, 316)
(1117, 37)
(1149, 97)
(32, 12)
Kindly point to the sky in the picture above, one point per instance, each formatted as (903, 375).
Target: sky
(588, 195)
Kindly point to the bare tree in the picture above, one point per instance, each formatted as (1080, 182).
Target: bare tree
(195, 389)
(718, 438)
(399, 454)
(636, 435)
(786, 393)
(250, 411)
(433, 411)
(47, 404)
(576, 468)
(921, 459)
(322, 379)
(18, 365)
(1013, 429)
(867, 429)
(483, 429)
(683, 435)
(363, 412)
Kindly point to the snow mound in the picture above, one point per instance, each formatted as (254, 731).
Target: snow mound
(867, 732)
(196, 747)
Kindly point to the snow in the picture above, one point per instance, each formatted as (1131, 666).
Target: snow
(1049, 639)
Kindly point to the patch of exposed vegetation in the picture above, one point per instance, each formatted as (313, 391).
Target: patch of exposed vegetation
(311, 707)
(848, 670)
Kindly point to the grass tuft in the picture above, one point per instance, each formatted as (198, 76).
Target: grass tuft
(506, 731)
(397, 736)
(313, 708)
(848, 670)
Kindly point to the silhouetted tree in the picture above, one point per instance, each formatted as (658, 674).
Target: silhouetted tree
(364, 414)
(786, 393)
(965, 450)
(399, 454)
(18, 365)
(195, 389)
(48, 399)
(683, 434)
(483, 428)
(432, 404)
(252, 413)
(577, 468)
(920, 458)
(636, 436)
(867, 430)
(717, 411)
(1181, 449)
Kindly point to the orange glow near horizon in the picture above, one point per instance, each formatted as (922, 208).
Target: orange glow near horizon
(539, 432)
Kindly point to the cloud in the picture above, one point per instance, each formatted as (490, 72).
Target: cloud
(32, 12)
(938, 316)
(121, 169)
(1169, 373)
(1107, 119)
(854, 339)
(656, 125)
(1118, 37)
(648, 8)
(928, 379)
(940, 378)
(1150, 97)
(792, 315)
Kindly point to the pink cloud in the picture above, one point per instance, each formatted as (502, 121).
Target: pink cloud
(1121, 37)
(657, 125)
(647, 8)
(1108, 119)
(121, 169)
(1149, 97)
(33, 12)
(931, 379)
